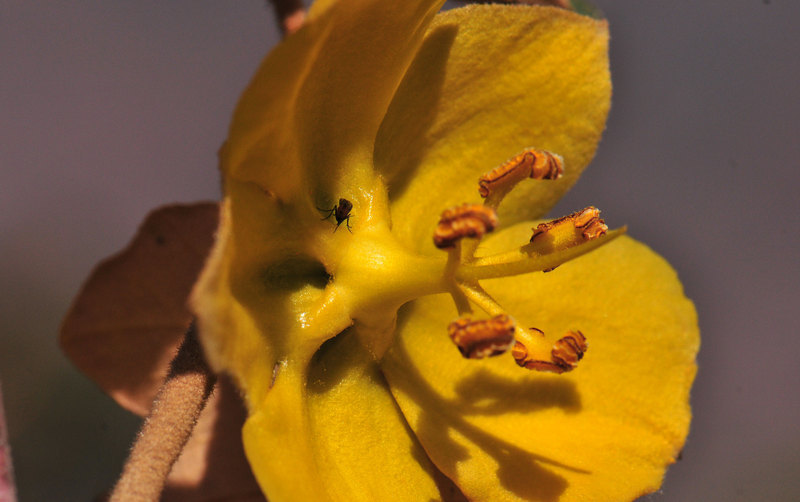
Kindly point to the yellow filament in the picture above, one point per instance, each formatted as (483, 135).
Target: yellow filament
(536, 344)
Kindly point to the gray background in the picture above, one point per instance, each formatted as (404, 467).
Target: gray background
(108, 109)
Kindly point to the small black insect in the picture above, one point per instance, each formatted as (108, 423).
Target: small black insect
(341, 212)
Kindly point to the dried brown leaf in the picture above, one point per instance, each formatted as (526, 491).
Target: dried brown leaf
(129, 318)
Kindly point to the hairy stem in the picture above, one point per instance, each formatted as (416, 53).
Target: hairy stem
(169, 425)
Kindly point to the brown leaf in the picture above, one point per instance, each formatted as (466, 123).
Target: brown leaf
(129, 318)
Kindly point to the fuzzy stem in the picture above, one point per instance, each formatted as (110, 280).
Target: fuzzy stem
(290, 13)
(7, 489)
(169, 425)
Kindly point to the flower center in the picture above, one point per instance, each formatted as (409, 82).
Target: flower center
(374, 273)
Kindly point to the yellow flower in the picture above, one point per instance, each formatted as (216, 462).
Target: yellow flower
(381, 115)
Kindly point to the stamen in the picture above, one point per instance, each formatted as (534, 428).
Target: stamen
(497, 183)
(469, 220)
(484, 338)
(569, 349)
(477, 295)
(453, 261)
(547, 166)
(564, 356)
(532, 341)
(586, 216)
(562, 231)
(461, 301)
(595, 229)
(536, 164)
(551, 244)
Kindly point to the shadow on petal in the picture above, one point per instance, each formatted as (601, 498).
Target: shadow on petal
(449, 438)
(485, 393)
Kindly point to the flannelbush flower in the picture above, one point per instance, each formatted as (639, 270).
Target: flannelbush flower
(379, 239)
(381, 115)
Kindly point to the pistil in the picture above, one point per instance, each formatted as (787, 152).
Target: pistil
(529, 258)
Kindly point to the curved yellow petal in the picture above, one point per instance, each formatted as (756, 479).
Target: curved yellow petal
(336, 434)
(488, 82)
(605, 431)
(309, 118)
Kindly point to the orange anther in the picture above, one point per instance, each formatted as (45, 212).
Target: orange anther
(594, 229)
(564, 356)
(469, 220)
(537, 164)
(586, 220)
(484, 338)
(547, 166)
(568, 350)
(586, 216)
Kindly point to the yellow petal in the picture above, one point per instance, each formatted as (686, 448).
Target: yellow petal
(336, 434)
(605, 431)
(312, 111)
(488, 82)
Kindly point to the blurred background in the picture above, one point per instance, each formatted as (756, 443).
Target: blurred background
(108, 109)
